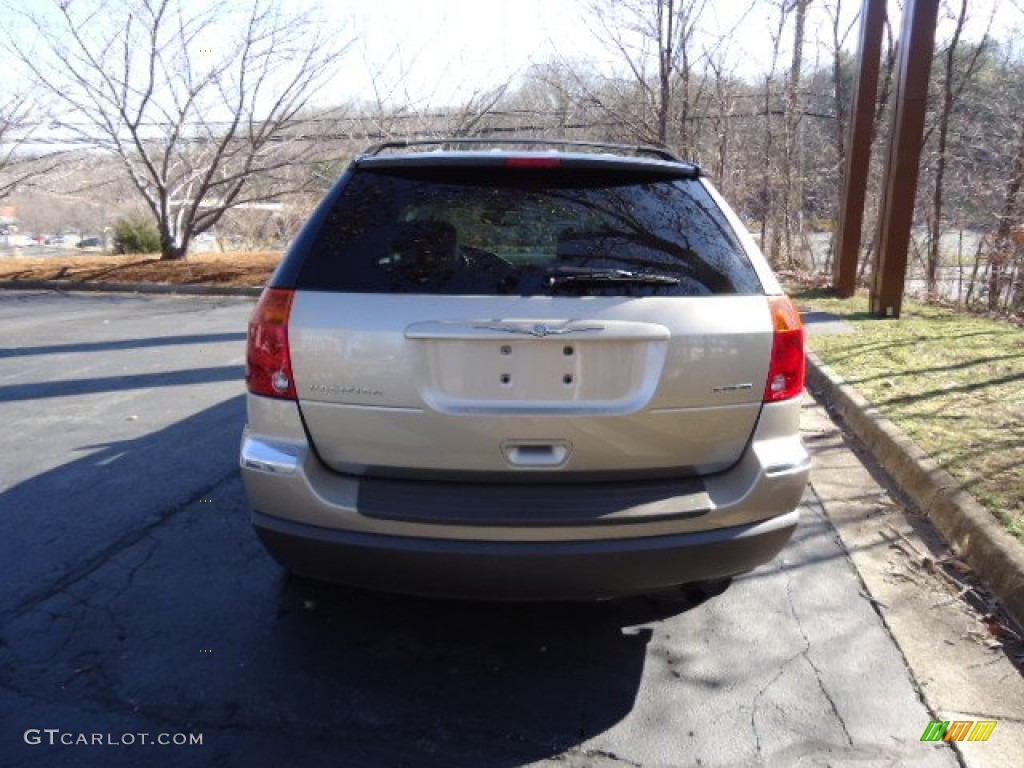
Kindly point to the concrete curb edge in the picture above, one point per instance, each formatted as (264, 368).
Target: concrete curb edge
(160, 288)
(994, 555)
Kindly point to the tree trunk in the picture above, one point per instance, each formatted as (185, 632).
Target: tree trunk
(770, 220)
(171, 251)
(974, 272)
(839, 127)
(666, 20)
(790, 187)
(722, 130)
(934, 261)
(1002, 245)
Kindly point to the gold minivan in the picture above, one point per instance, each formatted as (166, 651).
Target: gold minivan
(523, 370)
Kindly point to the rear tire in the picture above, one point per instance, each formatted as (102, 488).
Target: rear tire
(694, 593)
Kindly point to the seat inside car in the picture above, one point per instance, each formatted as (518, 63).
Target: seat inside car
(424, 248)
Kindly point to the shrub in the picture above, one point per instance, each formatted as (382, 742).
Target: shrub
(136, 235)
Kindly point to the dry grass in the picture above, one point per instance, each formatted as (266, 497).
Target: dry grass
(229, 269)
(953, 382)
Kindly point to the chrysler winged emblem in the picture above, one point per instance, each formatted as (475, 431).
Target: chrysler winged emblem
(539, 330)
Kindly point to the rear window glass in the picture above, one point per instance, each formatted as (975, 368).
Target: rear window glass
(506, 231)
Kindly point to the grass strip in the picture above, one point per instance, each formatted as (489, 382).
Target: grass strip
(954, 382)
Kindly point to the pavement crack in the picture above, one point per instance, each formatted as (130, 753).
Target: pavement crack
(806, 654)
(603, 755)
(755, 705)
(130, 581)
(75, 616)
(611, 756)
(877, 607)
(125, 542)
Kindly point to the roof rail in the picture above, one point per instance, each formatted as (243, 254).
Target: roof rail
(457, 143)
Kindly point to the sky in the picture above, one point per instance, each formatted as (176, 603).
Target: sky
(436, 53)
(440, 48)
(441, 51)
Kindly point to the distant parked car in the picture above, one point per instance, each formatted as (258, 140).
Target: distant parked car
(533, 373)
(91, 242)
(55, 240)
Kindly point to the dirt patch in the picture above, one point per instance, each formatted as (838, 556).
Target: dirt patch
(228, 269)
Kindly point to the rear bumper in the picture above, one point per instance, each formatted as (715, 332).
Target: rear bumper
(517, 570)
(520, 541)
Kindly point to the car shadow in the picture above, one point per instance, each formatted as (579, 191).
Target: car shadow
(120, 383)
(458, 682)
(120, 345)
(140, 600)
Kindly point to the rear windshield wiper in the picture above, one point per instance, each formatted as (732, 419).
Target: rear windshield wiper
(571, 275)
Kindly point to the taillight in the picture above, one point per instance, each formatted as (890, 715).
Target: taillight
(786, 369)
(268, 364)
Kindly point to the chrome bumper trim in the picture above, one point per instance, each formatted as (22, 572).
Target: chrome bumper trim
(271, 457)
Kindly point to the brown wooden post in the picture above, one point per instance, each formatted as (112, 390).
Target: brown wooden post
(899, 184)
(858, 148)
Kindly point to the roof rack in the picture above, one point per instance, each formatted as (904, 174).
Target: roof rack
(458, 143)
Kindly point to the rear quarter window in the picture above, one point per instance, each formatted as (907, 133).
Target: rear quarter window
(507, 231)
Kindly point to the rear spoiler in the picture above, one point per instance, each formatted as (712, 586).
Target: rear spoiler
(524, 153)
(639, 150)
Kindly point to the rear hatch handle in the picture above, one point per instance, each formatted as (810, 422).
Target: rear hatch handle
(537, 454)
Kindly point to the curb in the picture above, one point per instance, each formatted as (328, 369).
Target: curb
(160, 288)
(994, 555)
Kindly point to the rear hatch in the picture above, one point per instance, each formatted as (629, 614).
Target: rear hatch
(581, 318)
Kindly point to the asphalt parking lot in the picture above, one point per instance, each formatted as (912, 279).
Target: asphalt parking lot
(137, 605)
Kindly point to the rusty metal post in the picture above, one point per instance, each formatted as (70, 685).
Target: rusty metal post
(858, 152)
(899, 184)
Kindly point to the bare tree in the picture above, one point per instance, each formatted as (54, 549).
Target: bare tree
(955, 77)
(999, 276)
(557, 93)
(656, 41)
(20, 164)
(768, 174)
(792, 189)
(204, 108)
(724, 99)
(840, 98)
(840, 94)
(12, 117)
